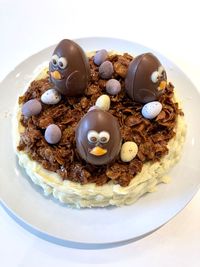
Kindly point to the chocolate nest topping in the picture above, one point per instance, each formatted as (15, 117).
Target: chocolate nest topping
(151, 137)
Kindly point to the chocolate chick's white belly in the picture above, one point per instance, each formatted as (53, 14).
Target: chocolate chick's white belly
(92, 195)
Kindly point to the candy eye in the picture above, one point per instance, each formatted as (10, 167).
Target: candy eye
(162, 73)
(92, 136)
(104, 137)
(54, 60)
(161, 70)
(154, 76)
(62, 62)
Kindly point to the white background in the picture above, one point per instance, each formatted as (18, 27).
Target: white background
(172, 28)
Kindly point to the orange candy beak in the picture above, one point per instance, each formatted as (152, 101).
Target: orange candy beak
(98, 151)
(56, 75)
(162, 85)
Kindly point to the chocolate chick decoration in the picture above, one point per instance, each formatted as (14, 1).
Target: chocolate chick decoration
(98, 138)
(146, 78)
(69, 68)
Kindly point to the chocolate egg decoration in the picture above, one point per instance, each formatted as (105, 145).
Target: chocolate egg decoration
(100, 56)
(31, 107)
(52, 134)
(98, 137)
(69, 68)
(113, 87)
(51, 97)
(146, 78)
(151, 110)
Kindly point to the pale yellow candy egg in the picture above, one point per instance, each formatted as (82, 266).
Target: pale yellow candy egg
(103, 102)
(128, 151)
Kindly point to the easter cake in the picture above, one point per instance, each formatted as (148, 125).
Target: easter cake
(100, 128)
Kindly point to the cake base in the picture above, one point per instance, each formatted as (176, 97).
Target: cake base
(92, 195)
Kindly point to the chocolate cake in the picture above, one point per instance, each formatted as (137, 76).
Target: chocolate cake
(79, 160)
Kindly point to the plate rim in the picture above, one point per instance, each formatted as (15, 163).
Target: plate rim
(85, 244)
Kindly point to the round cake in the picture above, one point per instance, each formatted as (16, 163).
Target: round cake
(99, 128)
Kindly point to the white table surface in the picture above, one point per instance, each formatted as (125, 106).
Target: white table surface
(171, 28)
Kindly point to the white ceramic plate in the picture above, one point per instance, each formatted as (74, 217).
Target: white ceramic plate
(92, 228)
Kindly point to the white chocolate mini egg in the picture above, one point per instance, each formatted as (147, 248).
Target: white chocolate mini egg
(103, 102)
(51, 97)
(151, 110)
(31, 107)
(128, 151)
(52, 134)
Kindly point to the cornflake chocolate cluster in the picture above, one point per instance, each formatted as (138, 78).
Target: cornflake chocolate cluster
(87, 136)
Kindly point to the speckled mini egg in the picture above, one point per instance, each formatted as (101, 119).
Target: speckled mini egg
(51, 97)
(52, 134)
(31, 107)
(128, 151)
(103, 102)
(106, 70)
(151, 110)
(100, 56)
(113, 87)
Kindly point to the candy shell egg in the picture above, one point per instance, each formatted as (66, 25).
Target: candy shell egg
(51, 97)
(103, 102)
(151, 110)
(106, 70)
(128, 151)
(52, 134)
(113, 87)
(31, 107)
(100, 56)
